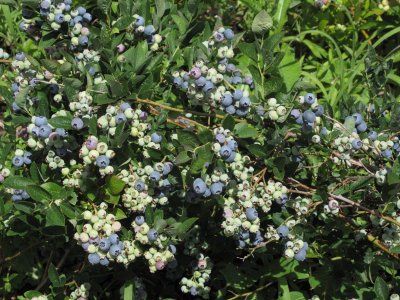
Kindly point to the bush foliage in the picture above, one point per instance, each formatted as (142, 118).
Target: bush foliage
(200, 150)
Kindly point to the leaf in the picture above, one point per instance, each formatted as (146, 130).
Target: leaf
(115, 185)
(104, 5)
(181, 22)
(228, 122)
(186, 225)
(290, 69)
(262, 22)
(129, 290)
(54, 217)
(18, 182)
(381, 289)
(245, 130)
(284, 287)
(188, 139)
(20, 98)
(182, 158)
(61, 122)
(257, 150)
(37, 193)
(203, 155)
(53, 275)
(280, 15)
(51, 65)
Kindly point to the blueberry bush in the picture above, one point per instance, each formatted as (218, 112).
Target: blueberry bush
(200, 150)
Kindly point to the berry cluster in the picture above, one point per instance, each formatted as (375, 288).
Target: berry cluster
(21, 158)
(274, 111)
(296, 249)
(225, 146)
(200, 276)
(98, 153)
(81, 292)
(311, 116)
(4, 54)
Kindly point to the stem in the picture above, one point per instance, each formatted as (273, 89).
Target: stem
(244, 295)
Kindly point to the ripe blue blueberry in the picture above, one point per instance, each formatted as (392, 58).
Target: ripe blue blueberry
(155, 176)
(309, 98)
(115, 250)
(231, 110)
(229, 34)
(236, 80)
(104, 261)
(20, 56)
(199, 186)
(358, 118)
(260, 110)
(231, 157)
(226, 100)
(166, 183)
(87, 17)
(241, 111)
(216, 188)
(208, 87)
(238, 94)
(244, 234)
(194, 291)
(195, 73)
(207, 193)
(44, 131)
(230, 67)
(152, 235)
(156, 137)
(77, 123)
(139, 185)
(219, 37)
(114, 238)
(102, 161)
(104, 244)
(78, 19)
(309, 116)
(18, 161)
(362, 127)
(124, 106)
(283, 231)
(149, 30)
(172, 248)
(301, 255)
(387, 153)
(59, 18)
(139, 21)
(93, 258)
(201, 81)
(319, 111)
(39, 121)
(245, 102)
(220, 138)
(167, 168)
(232, 144)
(139, 220)
(356, 144)
(178, 82)
(81, 10)
(45, 4)
(373, 135)
(225, 151)
(27, 159)
(251, 214)
(83, 40)
(120, 118)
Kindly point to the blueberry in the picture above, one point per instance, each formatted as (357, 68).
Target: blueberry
(362, 127)
(93, 258)
(207, 193)
(104, 244)
(120, 118)
(102, 161)
(114, 238)
(45, 4)
(231, 157)
(139, 185)
(225, 151)
(283, 231)
(226, 100)
(87, 17)
(241, 244)
(309, 116)
(236, 80)
(200, 82)
(216, 188)
(309, 98)
(387, 153)
(324, 131)
(220, 138)
(15, 107)
(194, 291)
(167, 168)
(231, 110)
(139, 220)
(139, 21)
(245, 102)
(178, 82)
(208, 87)
(78, 19)
(232, 144)
(358, 118)
(67, 2)
(305, 246)
(299, 120)
(301, 255)
(230, 67)
(20, 56)
(39, 121)
(219, 37)
(150, 39)
(249, 81)
(104, 261)
(115, 250)
(85, 246)
(156, 137)
(124, 106)
(92, 71)
(172, 248)
(319, 111)
(25, 195)
(166, 183)
(244, 234)
(54, 88)
(356, 144)
(81, 10)
(77, 123)
(251, 214)
(195, 73)
(241, 112)
(373, 135)
(83, 40)
(44, 131)
(155, 176)
(152, 235)
(238, 94)
(228, 33)
(59, 18)
(149, 30)
(199, 186)
(16, 198)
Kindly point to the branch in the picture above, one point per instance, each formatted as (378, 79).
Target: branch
(245, 295)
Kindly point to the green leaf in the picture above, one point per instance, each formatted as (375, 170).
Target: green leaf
(54, 217)
(61, 122)
(51, 65)
(186, 225)
(257, 150)
(129, 290)
(114, 185)
(245, 130)
(181, 22)
(20, 98)
(284, 287)
(182, 157)
(188, 139)
(290, 69)
(262, 22)
(228, 122)
(104, 5)
(381, 289)
(203, 155)
(53, 275)
(280, 15)
(18, 182)
(37, 193)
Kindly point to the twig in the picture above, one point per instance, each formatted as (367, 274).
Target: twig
(244, 295)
